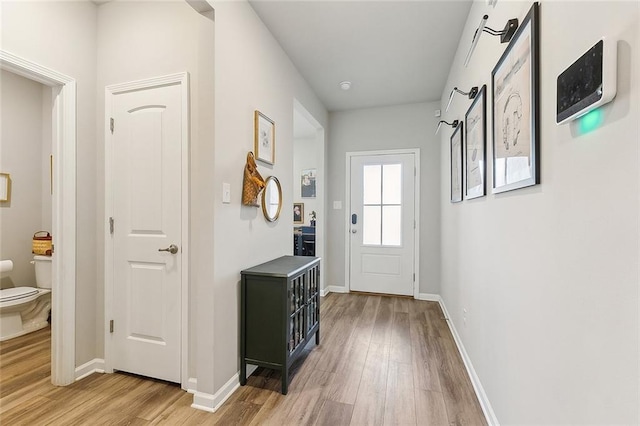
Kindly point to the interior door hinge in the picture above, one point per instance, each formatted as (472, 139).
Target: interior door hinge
(53, 248)
(111, 326)
(112, 124)
(414, 278)
(415, 170)
(111, 225)
(414, 224)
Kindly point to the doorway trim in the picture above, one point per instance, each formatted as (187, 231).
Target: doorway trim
(347, 215)
(63, 147)
(181, 78)
(321, 193)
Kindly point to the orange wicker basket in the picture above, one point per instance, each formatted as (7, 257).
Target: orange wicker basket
(42, 243)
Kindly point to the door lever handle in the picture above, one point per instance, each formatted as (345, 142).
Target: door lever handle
(173, 249)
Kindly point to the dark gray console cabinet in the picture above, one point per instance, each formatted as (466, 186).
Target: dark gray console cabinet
(280, 312)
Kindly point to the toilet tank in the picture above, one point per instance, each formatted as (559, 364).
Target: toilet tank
(43, 271)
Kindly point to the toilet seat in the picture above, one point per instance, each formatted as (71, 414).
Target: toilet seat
(16, 293)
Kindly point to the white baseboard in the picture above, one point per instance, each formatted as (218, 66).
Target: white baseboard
(203, 401)
(429, 297)
(211, 403)
(192, 385)
(333, 289)
(489, 414)
(96, 365)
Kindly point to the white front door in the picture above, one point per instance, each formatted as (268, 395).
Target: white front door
(382, 223)
(146, 148)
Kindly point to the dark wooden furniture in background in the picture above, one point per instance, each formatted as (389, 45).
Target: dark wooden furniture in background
(304, 241)
(280, 312)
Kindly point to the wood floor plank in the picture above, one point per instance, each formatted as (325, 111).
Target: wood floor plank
(311, 400)
(382, 327)
(238, 413)
(335, 413)
(369, 407)
(380, 360)
(400, 407)
(401, 338)
(424, 358)
(345, 385)
(460, 400)
(376, 367)
(401, 304)
(430, 408)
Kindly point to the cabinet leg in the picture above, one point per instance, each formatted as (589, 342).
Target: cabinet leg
(318, 337)
(285, 381)
(243, 373)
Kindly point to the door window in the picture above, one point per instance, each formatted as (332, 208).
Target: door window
(382, 205)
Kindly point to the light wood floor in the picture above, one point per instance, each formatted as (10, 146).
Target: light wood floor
(381, 360)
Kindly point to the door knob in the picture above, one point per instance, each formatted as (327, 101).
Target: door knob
(353, 231)
(173, 249)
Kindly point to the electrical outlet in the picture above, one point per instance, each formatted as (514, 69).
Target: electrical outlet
(464, 316)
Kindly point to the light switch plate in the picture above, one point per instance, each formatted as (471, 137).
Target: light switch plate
(226, 193)
(337, 205)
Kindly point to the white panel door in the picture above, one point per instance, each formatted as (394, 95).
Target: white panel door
(381, 224)
(147, 141)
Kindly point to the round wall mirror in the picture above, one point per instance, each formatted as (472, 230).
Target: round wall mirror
(272, 199)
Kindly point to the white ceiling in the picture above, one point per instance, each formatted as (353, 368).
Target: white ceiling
(393, 51)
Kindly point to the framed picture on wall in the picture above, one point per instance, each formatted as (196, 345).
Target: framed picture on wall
(298, 212)
(5, 187)
(456, 164)
(265, 138)
(515, 103)
(308, 183)
(475, 146)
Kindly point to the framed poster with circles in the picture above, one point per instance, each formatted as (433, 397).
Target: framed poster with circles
(515, 103)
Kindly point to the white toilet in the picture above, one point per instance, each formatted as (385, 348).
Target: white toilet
(26, 309)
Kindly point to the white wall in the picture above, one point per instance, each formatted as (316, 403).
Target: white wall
(20, 153)
(62, 36)
(549, 274)
(140, 40)
(394, 127)
(307, 154)
(252, 73)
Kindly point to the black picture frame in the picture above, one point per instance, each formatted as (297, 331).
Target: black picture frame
(516, 109)
(455, 144)
(298, 212)
(475, 147)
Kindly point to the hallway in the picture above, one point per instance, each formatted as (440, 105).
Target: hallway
(382, 360)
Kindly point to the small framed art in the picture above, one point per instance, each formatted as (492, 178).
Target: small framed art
(308, 183)
(298, 212)
(475, 146)
(265, 138)
(5, 187)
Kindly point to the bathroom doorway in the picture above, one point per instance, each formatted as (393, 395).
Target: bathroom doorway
(309, 213)
(62, 174)
(25, 157)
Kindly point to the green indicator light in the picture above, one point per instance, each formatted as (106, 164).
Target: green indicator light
(590, 121)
